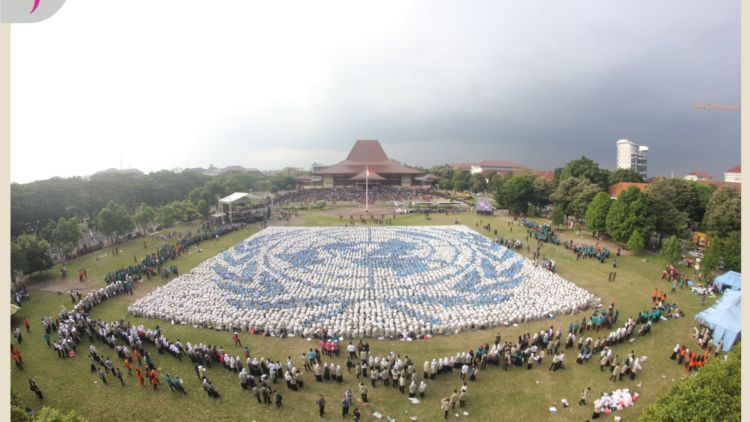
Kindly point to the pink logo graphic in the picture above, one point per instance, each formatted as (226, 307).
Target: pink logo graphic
(36, 4)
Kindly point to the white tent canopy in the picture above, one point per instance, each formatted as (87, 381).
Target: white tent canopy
(238, 198)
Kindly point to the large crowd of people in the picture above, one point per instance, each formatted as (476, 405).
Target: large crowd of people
(364, 281)
(155, 263)
(375, 194)
(261, 376)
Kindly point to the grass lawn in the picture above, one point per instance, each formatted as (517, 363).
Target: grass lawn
(496, 395)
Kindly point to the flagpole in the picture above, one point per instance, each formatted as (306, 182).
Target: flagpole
(367, 188)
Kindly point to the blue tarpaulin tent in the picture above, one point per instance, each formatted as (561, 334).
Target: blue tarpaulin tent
(724, 318)
(730, 279)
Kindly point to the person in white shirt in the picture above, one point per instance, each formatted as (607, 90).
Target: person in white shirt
(422, 388)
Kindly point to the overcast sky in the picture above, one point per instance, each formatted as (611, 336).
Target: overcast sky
(158, 85)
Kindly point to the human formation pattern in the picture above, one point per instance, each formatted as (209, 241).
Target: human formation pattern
(364, 282)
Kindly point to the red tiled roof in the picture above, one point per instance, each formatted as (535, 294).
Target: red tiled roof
(370, 154)
(735, 169)
(367, 151)
(615, 189)
(546, 175)
(719, 185)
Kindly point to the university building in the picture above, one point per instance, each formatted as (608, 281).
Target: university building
(632, 156)
(367, 154)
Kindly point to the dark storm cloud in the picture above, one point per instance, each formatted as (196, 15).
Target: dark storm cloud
(536, 83)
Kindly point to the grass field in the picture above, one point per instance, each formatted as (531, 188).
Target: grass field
(496, 395)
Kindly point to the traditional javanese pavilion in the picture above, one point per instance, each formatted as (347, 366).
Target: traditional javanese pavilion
(367, 155)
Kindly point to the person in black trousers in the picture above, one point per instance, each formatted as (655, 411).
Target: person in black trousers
(35, 388)
(277, 398)
(322, 405)
(584, 393)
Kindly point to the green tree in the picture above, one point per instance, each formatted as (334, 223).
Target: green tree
(629, 212)
(186, 211)
(168, 215)
(712, 257)
(723, 253)
(114, 220)
(34, 254)
(596, 214)
(723, 212)
(279, 182)
(732, 252)
(67, 234)
(558, 216)
(574, 195)
(713, 394)
(17, 413)
(639, 218)
(203, 209)
(144, 216)
(542, 191)
(625, 175)
(585, 168)
(672, 250)
(446, 184)
(216, 188)
(516, 194)
(48, 200)
(522, 191)
(670, 203)
(637, 242)
(460, 185)
(583, 195)
(477, 183)
(17, 260)
(703, 193)
(47, 231)
(49, 414)
(615, 222)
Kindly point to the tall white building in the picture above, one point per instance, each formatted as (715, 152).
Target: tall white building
(632, 156)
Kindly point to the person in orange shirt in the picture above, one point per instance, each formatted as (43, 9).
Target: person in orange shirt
(682, 355)
(653, 295)
(137, 356)
(16, 356)
(154, 382)
(140, 376)
(127, 365)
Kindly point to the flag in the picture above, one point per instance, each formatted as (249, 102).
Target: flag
(367, 171)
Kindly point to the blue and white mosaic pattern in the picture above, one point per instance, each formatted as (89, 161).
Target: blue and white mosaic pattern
(364, 281)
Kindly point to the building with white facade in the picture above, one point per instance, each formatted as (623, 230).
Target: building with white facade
(632, 156)
(733, 175)
(494, 166)
(698, 176)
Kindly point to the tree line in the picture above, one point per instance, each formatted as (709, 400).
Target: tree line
(36, 207)
(666, 208)
(46, 215)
